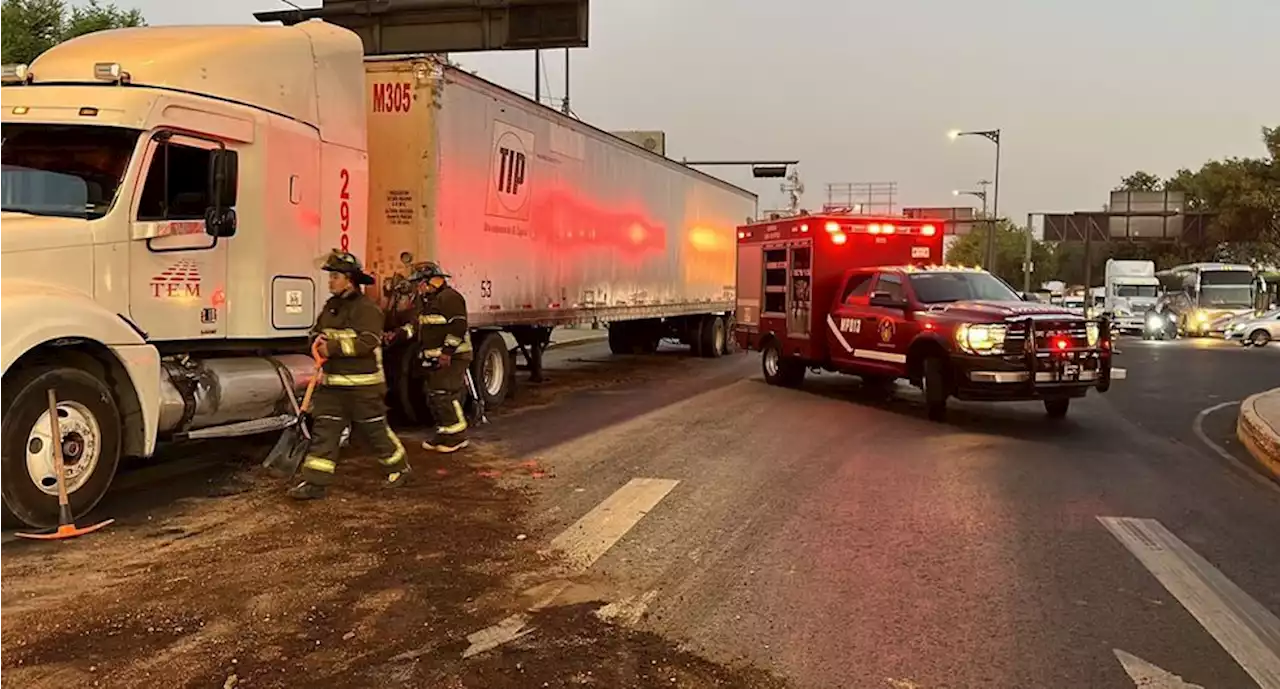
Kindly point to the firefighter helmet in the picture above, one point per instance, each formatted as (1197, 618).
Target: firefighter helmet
(427, 270)
(346, 262)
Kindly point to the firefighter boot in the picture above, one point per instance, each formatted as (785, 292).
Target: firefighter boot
(446, 445)
(307, 491)
(397, 479)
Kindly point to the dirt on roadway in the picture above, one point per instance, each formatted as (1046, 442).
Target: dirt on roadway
(367, 588)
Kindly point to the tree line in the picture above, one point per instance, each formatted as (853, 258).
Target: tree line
(31, 27)
(1243, 194)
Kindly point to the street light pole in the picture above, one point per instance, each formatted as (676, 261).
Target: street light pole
(1026, 258)
(979, 194)
(992, 135)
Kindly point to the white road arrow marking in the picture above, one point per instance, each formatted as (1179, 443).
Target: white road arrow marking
(1243, 627)
(582, 544)
(628, 611)
(1148, 676)
(592, 536)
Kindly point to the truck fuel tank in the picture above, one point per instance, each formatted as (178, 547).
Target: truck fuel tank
(203, 393)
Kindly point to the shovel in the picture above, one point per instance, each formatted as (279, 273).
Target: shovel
(66, 524)
(289, 451)
(479, 416)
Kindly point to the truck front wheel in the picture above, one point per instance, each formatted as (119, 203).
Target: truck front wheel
(934, 385)
(89, 423)
(1056, 407)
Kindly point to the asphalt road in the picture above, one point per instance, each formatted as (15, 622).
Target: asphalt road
(839, 538)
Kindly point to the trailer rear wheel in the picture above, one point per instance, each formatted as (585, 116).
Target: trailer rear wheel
(89, 423)
(779, 370)
(619, 338)
(493, 369)
(711, 337)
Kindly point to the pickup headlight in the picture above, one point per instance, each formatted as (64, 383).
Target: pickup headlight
(1122, 311)
(1093, 333)
(981, 338)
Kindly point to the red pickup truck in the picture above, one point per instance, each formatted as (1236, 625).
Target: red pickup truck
(862, 295)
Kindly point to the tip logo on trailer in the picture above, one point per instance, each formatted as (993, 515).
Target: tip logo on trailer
(509, 170)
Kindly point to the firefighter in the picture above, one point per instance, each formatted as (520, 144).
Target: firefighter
(444, 343)
(347, 343)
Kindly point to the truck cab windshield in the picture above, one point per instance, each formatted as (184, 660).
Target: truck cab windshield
(71, 171)
(942, 287)
(1129, 291)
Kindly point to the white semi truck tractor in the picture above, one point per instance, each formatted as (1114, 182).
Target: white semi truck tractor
(167, 191)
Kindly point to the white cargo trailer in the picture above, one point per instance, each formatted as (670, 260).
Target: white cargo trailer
(168, 190)
(542, 220)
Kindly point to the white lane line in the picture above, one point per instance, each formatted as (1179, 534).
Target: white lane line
(1247, 631)
(598, 530)
(586, 541)
(1197, 427)
(1147, 675)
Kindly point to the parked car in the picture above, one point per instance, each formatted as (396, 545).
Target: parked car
(1258, 331)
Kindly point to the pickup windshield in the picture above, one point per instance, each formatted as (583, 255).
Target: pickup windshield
(70, 171)
(942, 287)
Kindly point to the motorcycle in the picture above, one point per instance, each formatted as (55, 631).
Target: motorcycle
(1159, 326)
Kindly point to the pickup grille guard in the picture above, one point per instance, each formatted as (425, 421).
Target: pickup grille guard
(1039, 357)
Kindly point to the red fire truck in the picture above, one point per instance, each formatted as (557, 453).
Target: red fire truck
(865, 296)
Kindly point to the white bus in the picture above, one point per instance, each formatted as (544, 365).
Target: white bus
(1203, 295)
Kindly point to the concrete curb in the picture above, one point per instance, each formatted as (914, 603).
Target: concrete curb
(1261, 436)
(579, 341)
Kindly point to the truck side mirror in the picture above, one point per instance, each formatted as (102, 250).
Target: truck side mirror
(220, 217)
(220, 222)
(886, 301)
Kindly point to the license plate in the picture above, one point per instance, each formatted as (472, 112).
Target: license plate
(1071, 371)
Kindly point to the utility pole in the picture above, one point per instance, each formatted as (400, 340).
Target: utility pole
(564, 107)
(537, 75)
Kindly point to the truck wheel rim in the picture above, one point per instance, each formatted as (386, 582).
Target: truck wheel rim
(719, 336)
(81, 446)
(771, 362)
(494, 373)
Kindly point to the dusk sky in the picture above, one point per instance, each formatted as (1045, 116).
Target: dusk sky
(1085, 91)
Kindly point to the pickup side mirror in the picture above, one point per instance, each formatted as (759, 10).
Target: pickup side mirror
(886, 301)
(220, 217)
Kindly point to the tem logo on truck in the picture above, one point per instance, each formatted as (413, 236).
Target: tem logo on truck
(509, 171)
(180, 280)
